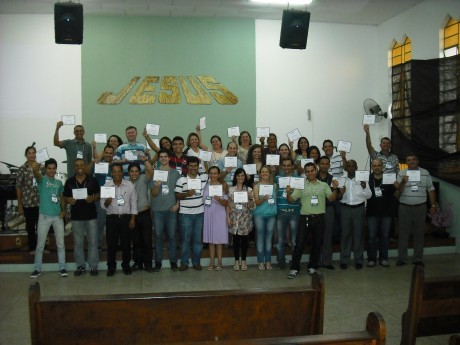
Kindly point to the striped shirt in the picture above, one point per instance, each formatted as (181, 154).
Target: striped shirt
(193, 204)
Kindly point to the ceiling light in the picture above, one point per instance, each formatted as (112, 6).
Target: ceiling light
(285, 2)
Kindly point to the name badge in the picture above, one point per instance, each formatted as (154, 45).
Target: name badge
(314, 200)
(414, 188)
(164, 190)
(207, 202)
(378, 192)
(107, 179)
(285, 194)
(256, 178)
(271, 201)
(34, 182)
(239, 207)
(179, 170)
(120, 200)
(388, 165)
(54, 199)
(80, 155)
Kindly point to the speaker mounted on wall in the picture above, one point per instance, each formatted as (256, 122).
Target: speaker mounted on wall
(68, 23)
(294, 29)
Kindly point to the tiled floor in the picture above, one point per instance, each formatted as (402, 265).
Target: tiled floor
(350, 294)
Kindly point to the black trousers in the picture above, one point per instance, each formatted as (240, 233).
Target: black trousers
(142, 239)
(240, 242)
(31, 216)
(117, 229)
(314, 225)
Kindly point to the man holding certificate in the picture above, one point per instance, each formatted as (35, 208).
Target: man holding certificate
(355, 193)
(165, 206)
(118, 199)
(189, 192)
(313, 200)
(390, 161)
(414, 184)
(131, 152)
(81, 192)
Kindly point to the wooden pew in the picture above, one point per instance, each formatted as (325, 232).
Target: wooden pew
(374, 334)
(434, 307)
(454, 340)
(176, 317)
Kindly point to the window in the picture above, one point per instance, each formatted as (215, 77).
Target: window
(451, 37)
(401, 84)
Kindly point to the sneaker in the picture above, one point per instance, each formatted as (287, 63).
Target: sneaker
(370, 263)
(292, 274)
(94, 272)
(63, 273)
(174, 267)
(312, 270)
(80, 270)
(157, 267)
(35, 274)
(384, 263)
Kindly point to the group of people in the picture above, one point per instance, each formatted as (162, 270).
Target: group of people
(195, 196)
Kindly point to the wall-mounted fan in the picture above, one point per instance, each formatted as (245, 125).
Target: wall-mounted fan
(372, 108)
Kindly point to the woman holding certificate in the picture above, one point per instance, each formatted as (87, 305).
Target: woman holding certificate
(215, 230)
(255, 157)
(193, 149)
(265, 217)
(229, 163)
(241, 204)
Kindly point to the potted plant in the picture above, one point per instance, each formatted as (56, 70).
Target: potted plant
(442, 219)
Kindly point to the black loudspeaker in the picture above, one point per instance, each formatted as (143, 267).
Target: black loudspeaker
(68, 23)
(294, 29)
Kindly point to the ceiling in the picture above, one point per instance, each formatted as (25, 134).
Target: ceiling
(360, 12)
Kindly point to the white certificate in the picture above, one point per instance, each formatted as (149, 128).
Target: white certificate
(272, 159)
(107, 192)
(42, 155)
(160, 175)
(233, 131)
(362, 175)
(194, 183)
(80, 193)
(389, 178)
(294, 135)
(369, 120)
(101, 168)
(250, 169)
(155, 141)
(263, 132)
(100, 138)
(68, 119)
(205, 156)
(202, 122)
(231, 162)
(297, 183)
(240, 197)
(414, 175)
(215, 190)
(265, 189)
(152, 129)
(130, 156)
(340, 180)
(343, 145)
(304, 161)
(283, 182)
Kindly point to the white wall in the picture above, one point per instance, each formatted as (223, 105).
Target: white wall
(40, 80)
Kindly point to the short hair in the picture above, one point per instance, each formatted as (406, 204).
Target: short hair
(134, 165)
(328, 141)
(131, 127)
(192, 134)
(163, 151)
(78, 126)
(325, 157)
(309, 164)
(385, 138)
(178, 138)
(50, 161)
(193, 159)
(109, 147)
(116, 165)
(287, 159)
(411, 154)
(78, 159)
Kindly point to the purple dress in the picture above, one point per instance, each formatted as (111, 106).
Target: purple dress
(215, 228)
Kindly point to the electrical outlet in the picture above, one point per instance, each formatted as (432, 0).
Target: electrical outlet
(18, 241)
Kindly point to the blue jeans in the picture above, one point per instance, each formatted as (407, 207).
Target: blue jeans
(165, 220)
(264, 233)
(283, 220)
(101, 214)
(80, 228)
(378, 226)
(191, 232)
(44, 223)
